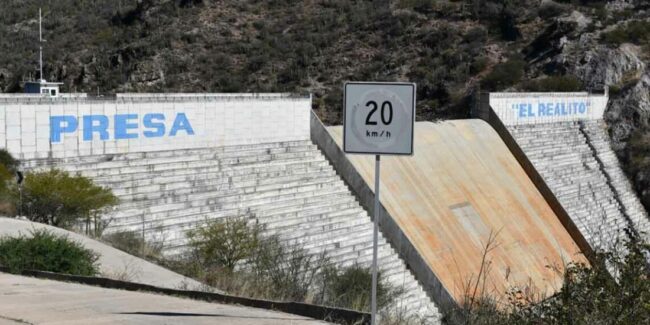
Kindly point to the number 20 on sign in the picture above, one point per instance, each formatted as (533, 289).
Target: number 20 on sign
(379, 118)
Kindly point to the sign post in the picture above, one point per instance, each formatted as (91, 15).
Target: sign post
(378, 119)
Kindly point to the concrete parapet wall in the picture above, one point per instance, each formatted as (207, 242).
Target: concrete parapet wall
(37, 127)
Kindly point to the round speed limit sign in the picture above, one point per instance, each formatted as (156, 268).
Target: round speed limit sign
(378, 118)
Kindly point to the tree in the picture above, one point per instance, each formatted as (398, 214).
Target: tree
(56, 198)
(8, 167)
(224, 242)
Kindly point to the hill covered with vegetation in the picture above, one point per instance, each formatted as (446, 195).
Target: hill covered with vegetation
(451, 49)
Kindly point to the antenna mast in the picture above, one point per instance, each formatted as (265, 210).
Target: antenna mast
(40, 38)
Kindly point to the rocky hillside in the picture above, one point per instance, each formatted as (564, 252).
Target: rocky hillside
(451, 49)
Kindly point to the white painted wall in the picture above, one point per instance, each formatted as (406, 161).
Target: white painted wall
(533, 108)
(217, 120)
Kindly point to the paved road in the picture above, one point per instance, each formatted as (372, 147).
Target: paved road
(114, 263)
(25, 300)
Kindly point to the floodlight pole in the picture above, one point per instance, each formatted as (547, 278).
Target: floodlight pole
(40, 40)
(375, 240)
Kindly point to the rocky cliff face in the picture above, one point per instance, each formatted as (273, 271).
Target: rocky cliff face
(576, 45)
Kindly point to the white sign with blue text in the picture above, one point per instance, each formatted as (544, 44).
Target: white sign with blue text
(532, 108)
(79, 127)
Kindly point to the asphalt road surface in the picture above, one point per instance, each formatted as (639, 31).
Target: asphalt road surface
(25, 300)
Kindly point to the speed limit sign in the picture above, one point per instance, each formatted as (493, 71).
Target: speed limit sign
(379, 118)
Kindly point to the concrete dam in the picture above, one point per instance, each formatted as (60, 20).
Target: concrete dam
(546, 187)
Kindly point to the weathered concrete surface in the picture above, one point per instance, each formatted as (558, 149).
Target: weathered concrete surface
(36, 301)
(113, 262)
(461, 185)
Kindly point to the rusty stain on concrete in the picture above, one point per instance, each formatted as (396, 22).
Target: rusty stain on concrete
(461, 185)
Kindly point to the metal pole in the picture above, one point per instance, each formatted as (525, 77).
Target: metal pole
(142, 244)
(374, 244)
(20, 208)
(40, 40)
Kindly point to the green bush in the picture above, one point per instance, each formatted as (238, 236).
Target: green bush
(44, 251)
(8, 167)
(233, 256)
(56, 198)
(351, 287)
(551, 10)
(554, 83)
(230, 254)
(504, 75)
(637, 32)
(132, 242)
(589, 294)
(285, 272)
(423, 6)
(479, 64)
(224, 242)
(7, 160)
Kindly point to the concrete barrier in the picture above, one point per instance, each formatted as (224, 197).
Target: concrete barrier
(332, 314)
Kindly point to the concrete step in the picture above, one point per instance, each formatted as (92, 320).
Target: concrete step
(213, 171)
(192, 190)
(137, 156)
(168, 215)
(102, 170)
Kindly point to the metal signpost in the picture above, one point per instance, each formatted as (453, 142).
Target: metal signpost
(378, 119)
(19, 180)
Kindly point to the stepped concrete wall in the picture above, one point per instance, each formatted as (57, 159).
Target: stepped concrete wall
(569, 154)
(597, 197)
(72, 126)
(276, 178)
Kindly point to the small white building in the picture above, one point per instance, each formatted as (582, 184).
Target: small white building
(43, 87)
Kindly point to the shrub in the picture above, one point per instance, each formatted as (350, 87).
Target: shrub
(7, 160)
(551, 9)
(285, 272)
(423, 6)
(637, 32)
(233, 256)
(555, 83)
(589, 294)
(132, 242)
(479, 64)
(504, 75)
(224, 242)
(44, 251)
(8, 167)
(351, 287)
(56, 198)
